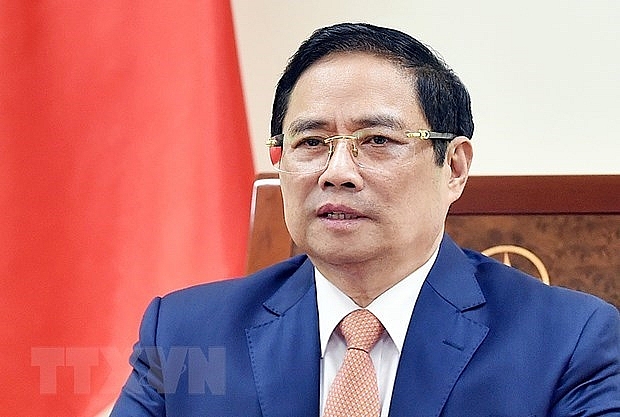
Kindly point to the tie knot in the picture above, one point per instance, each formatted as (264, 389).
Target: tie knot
(361, 330)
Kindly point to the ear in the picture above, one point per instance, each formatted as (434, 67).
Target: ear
(458, 159)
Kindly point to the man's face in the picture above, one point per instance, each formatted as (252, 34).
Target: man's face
(348, 215)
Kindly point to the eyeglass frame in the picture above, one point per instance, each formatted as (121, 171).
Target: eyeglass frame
(277, 141)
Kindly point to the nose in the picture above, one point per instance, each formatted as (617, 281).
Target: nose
(341, 171)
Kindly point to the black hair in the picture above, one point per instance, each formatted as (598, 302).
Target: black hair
(441, 94)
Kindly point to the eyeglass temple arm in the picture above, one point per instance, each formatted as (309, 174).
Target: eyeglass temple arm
(427, 134)
(275, 141)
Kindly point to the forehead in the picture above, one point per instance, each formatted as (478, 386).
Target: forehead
(342, 89)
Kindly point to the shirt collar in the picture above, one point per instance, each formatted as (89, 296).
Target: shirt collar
(393, 308)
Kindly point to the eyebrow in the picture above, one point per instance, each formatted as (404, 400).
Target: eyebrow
(381, 120)
(303, 125)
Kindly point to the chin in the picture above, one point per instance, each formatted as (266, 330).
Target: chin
(341, 254)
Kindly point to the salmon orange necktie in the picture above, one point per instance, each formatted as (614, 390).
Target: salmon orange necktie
(354, 392)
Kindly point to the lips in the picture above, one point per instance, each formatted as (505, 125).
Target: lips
(341, 216)
(338, 212)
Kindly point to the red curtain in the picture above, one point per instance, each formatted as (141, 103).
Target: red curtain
(125, 173)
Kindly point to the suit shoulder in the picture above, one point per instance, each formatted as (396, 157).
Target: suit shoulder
(514, 287)
(250, 289)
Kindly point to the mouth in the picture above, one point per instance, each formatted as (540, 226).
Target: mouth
(338, 212)
(340, 216)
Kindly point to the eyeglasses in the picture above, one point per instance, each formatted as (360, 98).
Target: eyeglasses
(374, 148)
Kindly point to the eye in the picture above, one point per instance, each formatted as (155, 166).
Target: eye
(314, 141)
(308, 142)
(377, 137)
(377, 140)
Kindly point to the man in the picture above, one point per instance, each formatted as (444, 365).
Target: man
(371, 139)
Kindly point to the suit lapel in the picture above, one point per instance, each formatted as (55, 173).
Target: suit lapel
(441, 338)
(285, 349)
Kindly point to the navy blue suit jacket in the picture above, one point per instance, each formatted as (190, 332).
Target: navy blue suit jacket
(484, 340)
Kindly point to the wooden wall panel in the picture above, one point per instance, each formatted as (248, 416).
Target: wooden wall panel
(551, 194)
(578, 251)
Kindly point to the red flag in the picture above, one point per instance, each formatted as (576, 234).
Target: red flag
(125, 172)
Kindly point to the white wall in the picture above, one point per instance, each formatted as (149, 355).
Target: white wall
(543, 74)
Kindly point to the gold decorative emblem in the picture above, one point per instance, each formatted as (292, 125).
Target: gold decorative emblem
(505, 250)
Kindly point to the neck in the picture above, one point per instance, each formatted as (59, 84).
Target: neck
(363, 282)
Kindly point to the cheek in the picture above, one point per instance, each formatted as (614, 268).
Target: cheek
(293, 197)
(289, 204)
(293, 221)
(418, 199)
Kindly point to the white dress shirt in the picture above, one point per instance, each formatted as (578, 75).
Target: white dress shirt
(393, 308)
